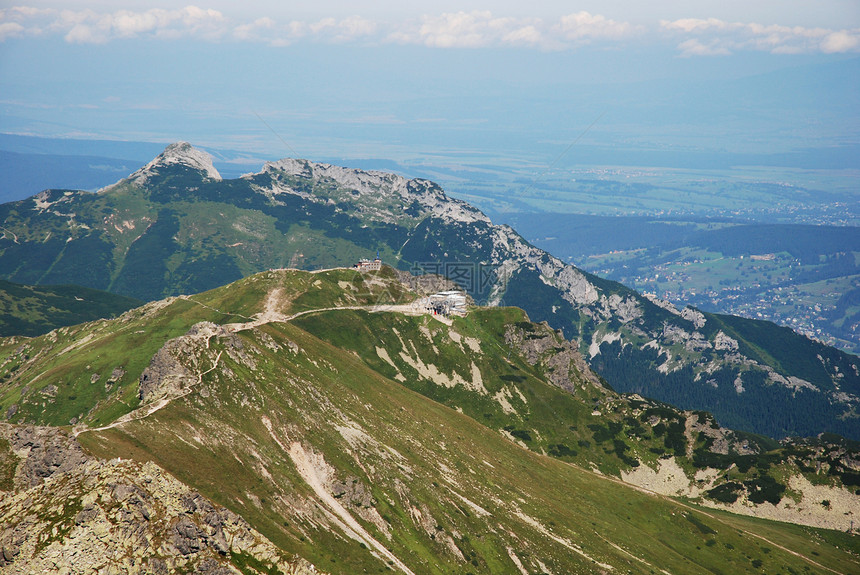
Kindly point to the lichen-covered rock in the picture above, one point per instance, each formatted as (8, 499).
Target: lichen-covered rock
(44, 452)
(563, 364)
(174, 367)
(72, 513)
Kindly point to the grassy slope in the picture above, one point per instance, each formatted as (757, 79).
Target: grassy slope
(588, 425)
(413, 453)
(546, 418)
(408, 451)
(62, 375)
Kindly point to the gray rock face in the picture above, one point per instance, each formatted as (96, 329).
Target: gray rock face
(173, 368)
(75, 514)
(45, 452)
(185, 537)
(564, 365)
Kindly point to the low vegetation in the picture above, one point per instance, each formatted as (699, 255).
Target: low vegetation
(368, 440)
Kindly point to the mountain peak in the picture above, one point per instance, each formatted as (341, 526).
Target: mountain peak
(379, 193)
(178, 153)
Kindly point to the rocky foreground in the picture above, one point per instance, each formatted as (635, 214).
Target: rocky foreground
(66, 512)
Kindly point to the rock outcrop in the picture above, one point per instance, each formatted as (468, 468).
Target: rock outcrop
(43, 452)
(68, 512)
(176, 366)
(564, 365)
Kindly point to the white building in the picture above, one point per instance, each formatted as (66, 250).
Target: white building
(368, 265)
(447, 303)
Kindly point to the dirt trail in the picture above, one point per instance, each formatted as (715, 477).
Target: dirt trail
(147, 410)
(309, 474)
(274, 301)
(270, 313)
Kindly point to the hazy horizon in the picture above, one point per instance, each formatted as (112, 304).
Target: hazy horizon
(403, 81)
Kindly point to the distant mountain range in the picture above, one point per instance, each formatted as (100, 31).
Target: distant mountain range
(175, 226)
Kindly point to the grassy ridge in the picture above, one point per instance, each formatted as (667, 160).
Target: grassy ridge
(418, 458)
(89, 372)
(437, 474)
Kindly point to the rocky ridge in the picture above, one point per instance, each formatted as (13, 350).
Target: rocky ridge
(69, 513)
(383, 195)
(377, 195)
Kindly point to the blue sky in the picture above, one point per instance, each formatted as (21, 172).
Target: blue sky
(402, 79)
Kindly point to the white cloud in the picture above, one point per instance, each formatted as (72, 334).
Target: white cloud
(254, 30)
(15, 22)
(714, 37)
(478, 29)
(693, 47)
(343, 30)
(461, 29)
(88, 26)
(841, 41)
(524, 36)
(584, 26)
(10, 30)
(694, 24)
(24, 12)
(270, 32)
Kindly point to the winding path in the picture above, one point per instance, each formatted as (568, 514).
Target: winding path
(269, 314)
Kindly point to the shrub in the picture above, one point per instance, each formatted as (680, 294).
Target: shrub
(725, 493)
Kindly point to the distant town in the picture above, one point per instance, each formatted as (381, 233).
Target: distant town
(772, 289)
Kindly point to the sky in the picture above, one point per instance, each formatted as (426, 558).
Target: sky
(695, 28)
(397, 79)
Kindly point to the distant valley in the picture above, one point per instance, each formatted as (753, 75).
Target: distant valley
(805, 277)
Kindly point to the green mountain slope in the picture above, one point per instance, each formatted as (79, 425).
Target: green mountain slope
(175, 226)
(34, 310)
(353, 433)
